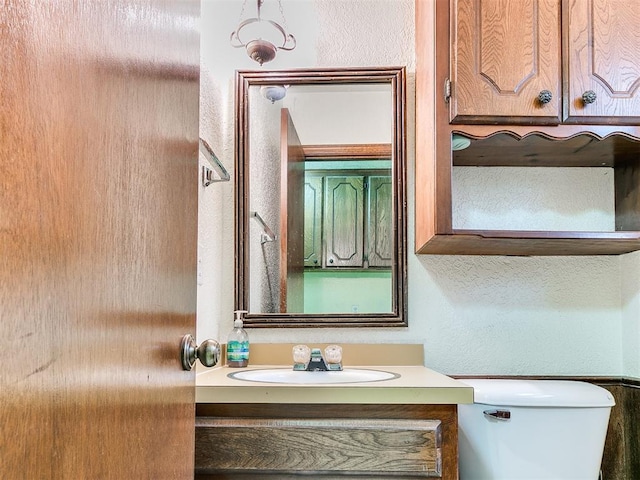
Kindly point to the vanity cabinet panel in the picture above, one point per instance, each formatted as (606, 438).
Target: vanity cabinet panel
(254, 441)
(603, 56)
(504, 53)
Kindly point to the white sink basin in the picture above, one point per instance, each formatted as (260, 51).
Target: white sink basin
(288, 376)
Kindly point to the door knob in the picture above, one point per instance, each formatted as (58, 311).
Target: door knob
(208, 352)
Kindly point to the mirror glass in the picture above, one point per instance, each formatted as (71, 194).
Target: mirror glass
(320, 197)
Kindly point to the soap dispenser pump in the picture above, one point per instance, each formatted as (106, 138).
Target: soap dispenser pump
(238, 343)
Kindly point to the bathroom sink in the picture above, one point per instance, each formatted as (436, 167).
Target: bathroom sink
(288, 376)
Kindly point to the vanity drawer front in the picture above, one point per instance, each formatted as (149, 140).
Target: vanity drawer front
(372, 447)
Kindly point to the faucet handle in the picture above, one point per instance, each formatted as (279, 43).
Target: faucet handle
(301, 354)
(333, 354)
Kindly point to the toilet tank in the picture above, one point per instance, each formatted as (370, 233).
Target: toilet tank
(533, 429)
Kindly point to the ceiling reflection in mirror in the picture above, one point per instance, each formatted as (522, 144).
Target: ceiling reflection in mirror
(320, 197)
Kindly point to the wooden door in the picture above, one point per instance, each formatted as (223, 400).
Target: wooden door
(344, 221)
(603, 61)
(291, 217)
(504, 54)
(98, 171)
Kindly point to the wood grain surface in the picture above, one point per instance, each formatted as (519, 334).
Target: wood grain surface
(99, 138)
(323, 420)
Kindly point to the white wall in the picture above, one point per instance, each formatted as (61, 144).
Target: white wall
(631, 314)
(497, 315)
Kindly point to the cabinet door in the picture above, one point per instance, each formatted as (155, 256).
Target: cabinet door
(313, 221)
(380, 225)
(343, 221)
(603, 57)
(504, 54)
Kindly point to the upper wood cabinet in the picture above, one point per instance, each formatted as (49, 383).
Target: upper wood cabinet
(529, 83)
(347, 221)
(509, 59)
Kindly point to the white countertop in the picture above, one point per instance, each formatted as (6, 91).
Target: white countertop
(414, 385)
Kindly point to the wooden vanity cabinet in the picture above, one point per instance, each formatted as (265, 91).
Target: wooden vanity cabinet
(327, 441)
(480, 68)
(379, 223)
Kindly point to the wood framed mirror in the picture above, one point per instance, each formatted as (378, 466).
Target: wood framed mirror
(321, 197)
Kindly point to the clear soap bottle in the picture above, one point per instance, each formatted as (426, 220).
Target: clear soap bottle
(238, 343)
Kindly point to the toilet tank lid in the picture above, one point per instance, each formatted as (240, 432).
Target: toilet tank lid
(539, 393)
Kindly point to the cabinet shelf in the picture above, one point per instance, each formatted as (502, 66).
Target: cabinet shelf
(504, 148)
(617, 152)
(530, 243)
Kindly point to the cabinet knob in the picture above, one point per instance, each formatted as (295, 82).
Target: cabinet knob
(208, 352)
(589, 97)
(545, 96)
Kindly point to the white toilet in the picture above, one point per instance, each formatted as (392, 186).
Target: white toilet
(533, 429)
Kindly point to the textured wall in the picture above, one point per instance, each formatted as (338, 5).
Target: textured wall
(539, 198)
(498, 315)
(631, 314)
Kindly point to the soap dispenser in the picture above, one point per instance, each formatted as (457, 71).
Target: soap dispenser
(238, 343)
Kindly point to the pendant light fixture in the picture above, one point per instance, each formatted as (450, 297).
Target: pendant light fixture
(262, 37)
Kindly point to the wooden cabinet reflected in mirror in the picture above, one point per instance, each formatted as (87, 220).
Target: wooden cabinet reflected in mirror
(321, 197)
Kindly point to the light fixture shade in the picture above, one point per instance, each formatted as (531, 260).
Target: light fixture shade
(261, 37)
(261, 51)
(273, 93)
(458, 142)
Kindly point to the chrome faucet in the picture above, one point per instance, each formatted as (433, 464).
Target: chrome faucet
(311, 360)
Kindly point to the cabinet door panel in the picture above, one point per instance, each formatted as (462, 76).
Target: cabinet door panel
(380, 226)
(313, 221)
(344, 222)
(504, 53)
(370, 448)
(603, 56)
